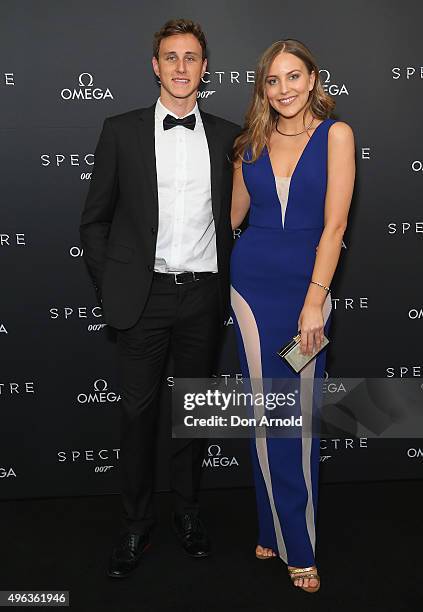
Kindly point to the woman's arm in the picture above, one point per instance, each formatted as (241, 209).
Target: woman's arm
(240, 197)
(340, 185)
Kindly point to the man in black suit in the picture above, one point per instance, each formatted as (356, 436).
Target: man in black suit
(157, 238)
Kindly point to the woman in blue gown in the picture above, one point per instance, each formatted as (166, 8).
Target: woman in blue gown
(294, 172)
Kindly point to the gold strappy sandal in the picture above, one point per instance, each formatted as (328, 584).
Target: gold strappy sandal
(264, 557)
(304, 572)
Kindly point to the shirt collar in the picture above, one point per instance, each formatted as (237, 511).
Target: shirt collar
(161, 112)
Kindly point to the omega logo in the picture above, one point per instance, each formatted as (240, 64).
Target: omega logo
(86, 90)
(214, 453)
(89, 82)
(100, 387)
(101, 395)
(215, 459)
(332, 89)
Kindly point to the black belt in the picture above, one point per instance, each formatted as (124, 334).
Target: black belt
(181, 278)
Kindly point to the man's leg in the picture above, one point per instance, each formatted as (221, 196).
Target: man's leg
(194, 345)
(142, 352)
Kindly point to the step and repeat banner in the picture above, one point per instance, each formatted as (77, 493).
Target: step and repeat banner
(64, 67)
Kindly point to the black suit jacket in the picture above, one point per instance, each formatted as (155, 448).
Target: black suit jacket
(120, 217)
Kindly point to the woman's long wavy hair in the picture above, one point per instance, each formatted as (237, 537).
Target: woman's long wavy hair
(261, 117)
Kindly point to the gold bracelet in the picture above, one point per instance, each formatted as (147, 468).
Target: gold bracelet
(320, 285)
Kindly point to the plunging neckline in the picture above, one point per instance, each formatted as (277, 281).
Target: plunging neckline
(299, 159)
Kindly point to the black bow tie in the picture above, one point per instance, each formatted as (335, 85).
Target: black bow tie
(169, 122)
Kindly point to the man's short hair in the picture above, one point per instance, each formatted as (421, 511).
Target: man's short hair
(179, 26)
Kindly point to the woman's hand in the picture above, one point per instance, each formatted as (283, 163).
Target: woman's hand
(311, 325)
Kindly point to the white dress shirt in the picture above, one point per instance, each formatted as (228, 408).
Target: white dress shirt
(186, 237)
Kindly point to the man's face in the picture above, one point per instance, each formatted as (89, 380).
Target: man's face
(180, 65)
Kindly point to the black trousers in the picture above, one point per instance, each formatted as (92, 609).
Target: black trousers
(185, 320)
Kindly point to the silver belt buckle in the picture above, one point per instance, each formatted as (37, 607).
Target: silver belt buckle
(175, 274)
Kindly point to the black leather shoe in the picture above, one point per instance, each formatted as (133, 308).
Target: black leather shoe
(192, 535)
(127, 554)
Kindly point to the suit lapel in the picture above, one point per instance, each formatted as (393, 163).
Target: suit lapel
(216, 162)
(145, 126)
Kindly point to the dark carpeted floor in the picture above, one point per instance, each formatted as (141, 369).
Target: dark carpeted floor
(369, 554)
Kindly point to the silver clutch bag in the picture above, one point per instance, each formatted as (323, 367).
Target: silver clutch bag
(290, 353)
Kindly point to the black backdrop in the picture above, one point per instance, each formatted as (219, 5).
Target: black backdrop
(64, 67)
